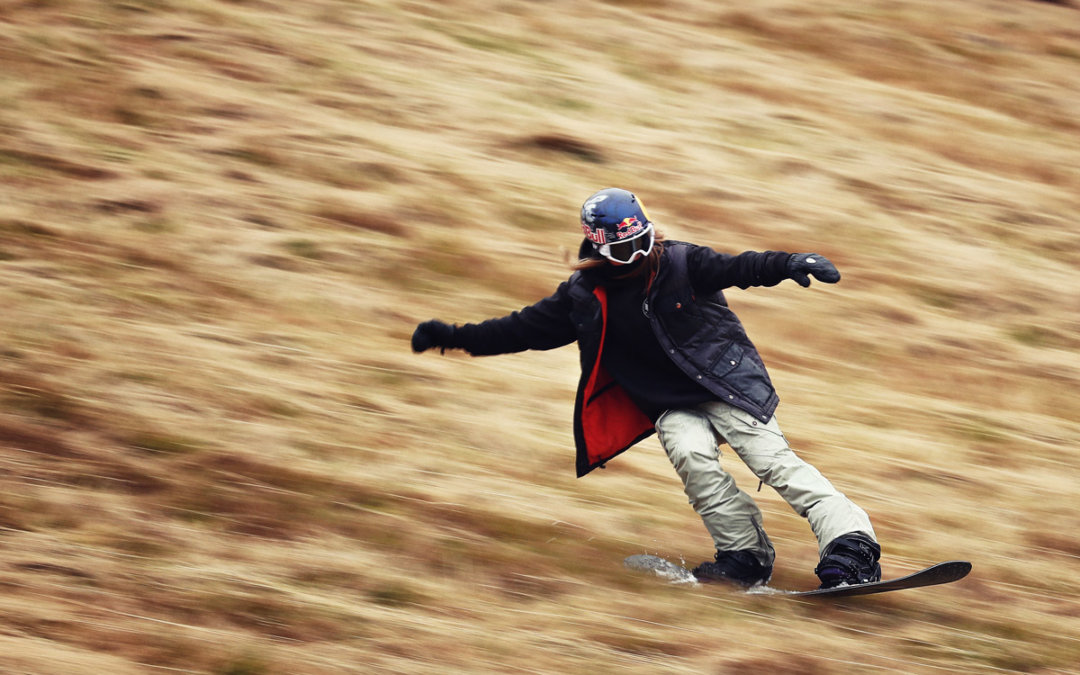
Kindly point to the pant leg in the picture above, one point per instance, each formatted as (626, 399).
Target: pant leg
(764, 449)
(730, 515)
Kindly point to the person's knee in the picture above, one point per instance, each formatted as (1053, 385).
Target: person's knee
(686, 437)
(771, 462)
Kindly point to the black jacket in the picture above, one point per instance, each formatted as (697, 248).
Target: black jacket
(691, 321)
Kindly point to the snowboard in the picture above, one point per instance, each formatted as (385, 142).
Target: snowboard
(941, 573)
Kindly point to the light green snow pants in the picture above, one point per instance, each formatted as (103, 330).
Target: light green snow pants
(691, 439)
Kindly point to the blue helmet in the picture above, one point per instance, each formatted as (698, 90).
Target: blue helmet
(616, 223)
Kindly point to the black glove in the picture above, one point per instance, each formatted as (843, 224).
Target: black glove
(430, 334)
(799, 265)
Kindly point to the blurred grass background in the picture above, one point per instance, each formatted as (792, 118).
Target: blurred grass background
(220, 221)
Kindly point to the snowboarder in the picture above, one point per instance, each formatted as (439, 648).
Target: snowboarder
(662, 351)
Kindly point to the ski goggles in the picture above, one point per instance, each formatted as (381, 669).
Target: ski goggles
(629, 250)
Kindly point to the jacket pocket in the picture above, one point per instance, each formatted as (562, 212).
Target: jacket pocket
(741, 371)
(727, 361)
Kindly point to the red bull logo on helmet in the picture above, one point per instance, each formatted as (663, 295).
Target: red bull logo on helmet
(596, 236)
(629, 227)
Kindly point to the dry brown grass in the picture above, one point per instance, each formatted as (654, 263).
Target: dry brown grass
(219, 222)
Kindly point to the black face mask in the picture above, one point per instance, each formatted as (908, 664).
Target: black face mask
(624, 274)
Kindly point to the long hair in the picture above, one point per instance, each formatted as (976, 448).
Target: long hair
(650, 266)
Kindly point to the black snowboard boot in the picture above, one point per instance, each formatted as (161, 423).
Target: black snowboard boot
(739, 567)
(849, 559)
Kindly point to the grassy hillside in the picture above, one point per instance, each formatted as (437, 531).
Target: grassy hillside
(221, 220)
